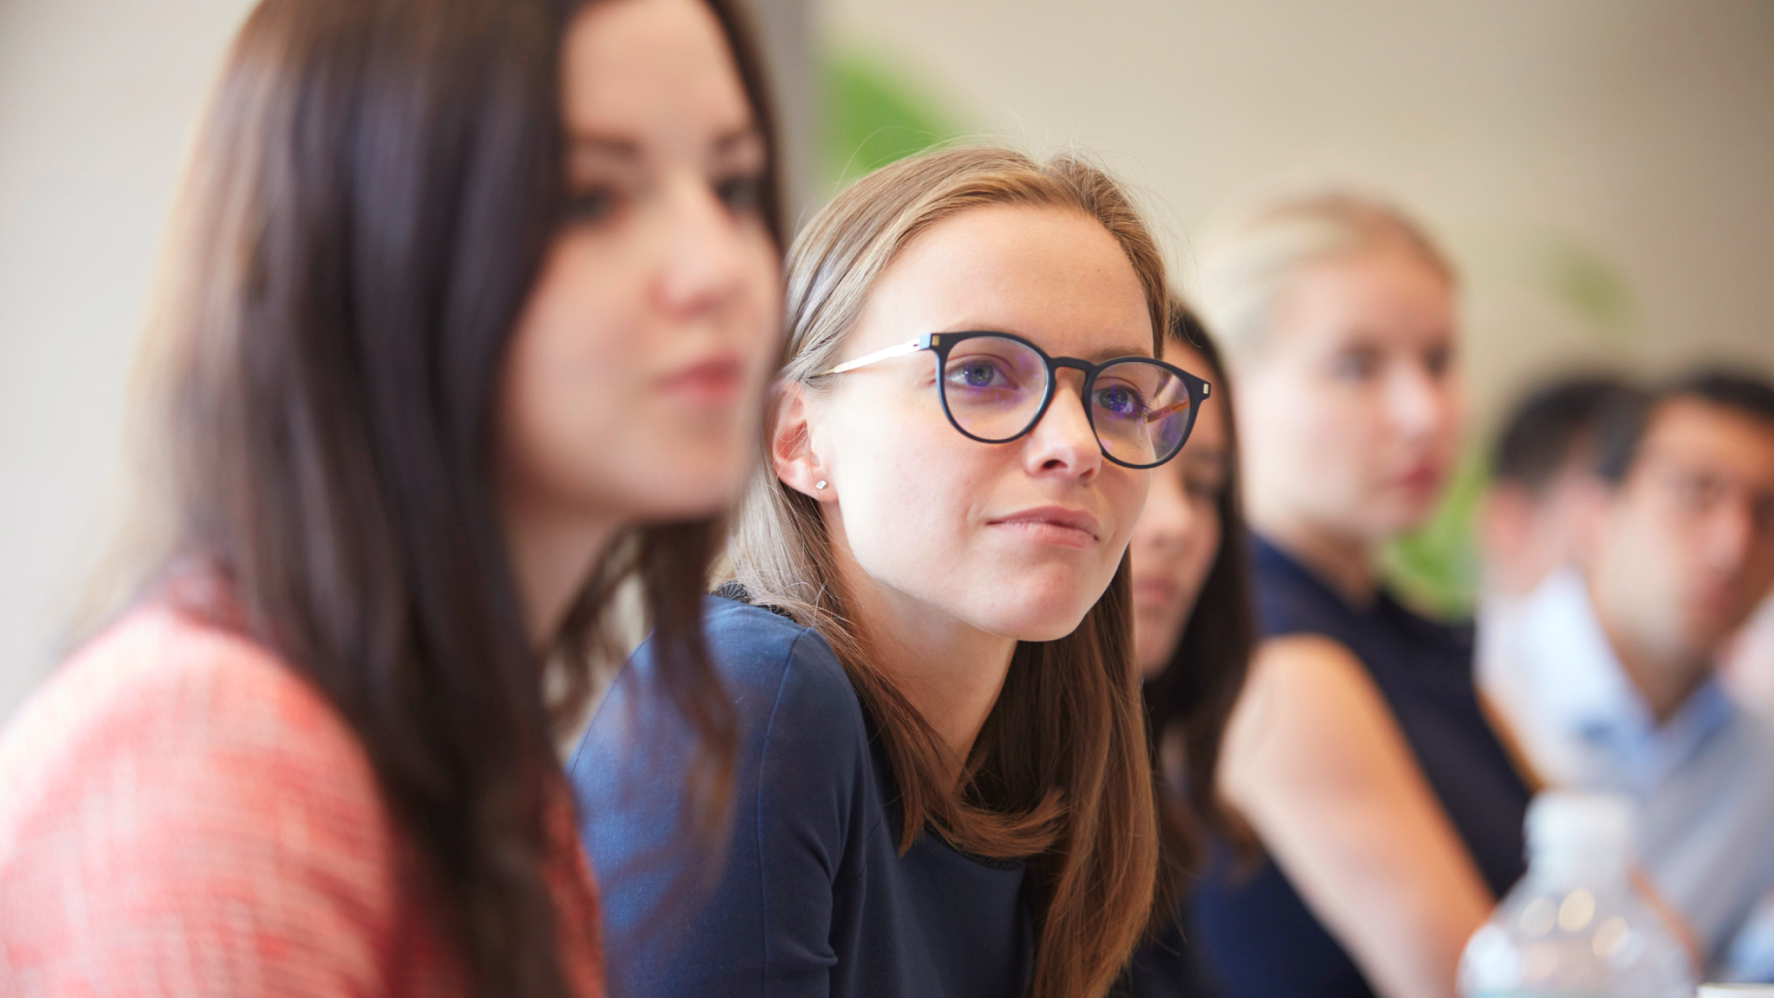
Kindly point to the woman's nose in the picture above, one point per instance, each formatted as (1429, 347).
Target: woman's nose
(1419, 400)
(704, 250)
(1063, 442)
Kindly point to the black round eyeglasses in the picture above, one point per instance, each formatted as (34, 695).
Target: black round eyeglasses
(996, 386)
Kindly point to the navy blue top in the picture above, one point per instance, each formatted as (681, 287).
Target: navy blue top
(811, 896)
(1168, 966)
(1257, 934)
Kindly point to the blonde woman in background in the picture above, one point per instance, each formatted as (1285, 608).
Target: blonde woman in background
(1389, 813)
(943, 779)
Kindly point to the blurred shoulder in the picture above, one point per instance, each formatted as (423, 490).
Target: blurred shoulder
(1307, 694)
(1307, 665)
(162, 699)
(766, 659)
(178, 799)
(195, 677)
(781, 677)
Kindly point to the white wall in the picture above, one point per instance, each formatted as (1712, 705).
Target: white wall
(1641, 132)
(97, 100)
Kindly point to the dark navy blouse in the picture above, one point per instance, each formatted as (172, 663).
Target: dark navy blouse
(809, 897)
(1168, 966)
(1258, 937)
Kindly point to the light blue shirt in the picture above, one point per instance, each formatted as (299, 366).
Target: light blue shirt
(1703, 780)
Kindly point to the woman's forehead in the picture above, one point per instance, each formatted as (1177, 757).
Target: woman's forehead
(653, 71)
(1053, 276)
(1381, 295)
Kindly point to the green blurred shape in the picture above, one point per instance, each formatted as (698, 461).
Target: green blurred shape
(873, 116)
(1435, 568)
(1589, 285)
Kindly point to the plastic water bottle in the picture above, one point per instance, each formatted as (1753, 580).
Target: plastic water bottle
(1574, 927)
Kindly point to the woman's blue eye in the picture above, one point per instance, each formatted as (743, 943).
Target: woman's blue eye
(1120, 401)
(975, 374)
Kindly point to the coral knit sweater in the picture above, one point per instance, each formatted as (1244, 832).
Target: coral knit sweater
(180, 814)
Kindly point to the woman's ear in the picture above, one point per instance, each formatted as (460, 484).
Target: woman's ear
(791, 446)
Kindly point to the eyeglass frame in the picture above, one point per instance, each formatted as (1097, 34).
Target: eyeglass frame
(941, 343)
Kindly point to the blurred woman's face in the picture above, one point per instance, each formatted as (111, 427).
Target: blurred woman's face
(1178, 533)
(635, 377)
(1350, 413)
(1017, 539)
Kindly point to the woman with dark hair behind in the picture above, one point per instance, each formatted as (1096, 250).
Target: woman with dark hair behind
(468, 314)
(1193, 631)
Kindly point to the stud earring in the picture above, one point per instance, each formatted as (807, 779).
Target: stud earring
(819, 484)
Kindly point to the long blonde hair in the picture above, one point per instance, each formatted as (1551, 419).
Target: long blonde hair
(1059, 773)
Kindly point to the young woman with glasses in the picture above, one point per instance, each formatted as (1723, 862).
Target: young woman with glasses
(472, 307)
(1389, 814)
(943, 784)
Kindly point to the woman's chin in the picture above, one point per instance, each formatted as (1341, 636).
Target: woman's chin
(1388, 516)
(1034, 619)
(690, 494)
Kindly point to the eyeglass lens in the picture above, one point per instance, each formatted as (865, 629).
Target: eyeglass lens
(993, 387)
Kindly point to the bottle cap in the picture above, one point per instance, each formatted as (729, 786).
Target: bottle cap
(1590, 828)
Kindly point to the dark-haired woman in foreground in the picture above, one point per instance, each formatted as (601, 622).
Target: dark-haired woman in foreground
(1193, 633)
(470, 297)
(943, 780)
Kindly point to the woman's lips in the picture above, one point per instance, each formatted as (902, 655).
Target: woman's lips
(1421, 478)
(1056, 525)
(710, 382)
(1154, 593)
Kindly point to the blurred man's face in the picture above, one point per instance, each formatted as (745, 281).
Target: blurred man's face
(1685, 548)
(1525, 535)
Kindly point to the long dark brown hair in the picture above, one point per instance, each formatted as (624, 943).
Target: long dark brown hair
(1189, 702)
(366, 210)
(1059, 774)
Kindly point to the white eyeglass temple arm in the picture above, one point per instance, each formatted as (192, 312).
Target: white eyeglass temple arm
(898, 351)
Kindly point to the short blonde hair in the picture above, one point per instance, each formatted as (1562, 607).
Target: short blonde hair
(1247, 268)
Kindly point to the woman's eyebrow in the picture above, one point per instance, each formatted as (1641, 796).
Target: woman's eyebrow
(605, 145)
(740, 138)
(1111, 353)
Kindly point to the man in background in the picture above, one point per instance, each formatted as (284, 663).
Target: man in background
(1608, 676)
(1541, 483)
(1541, 467)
